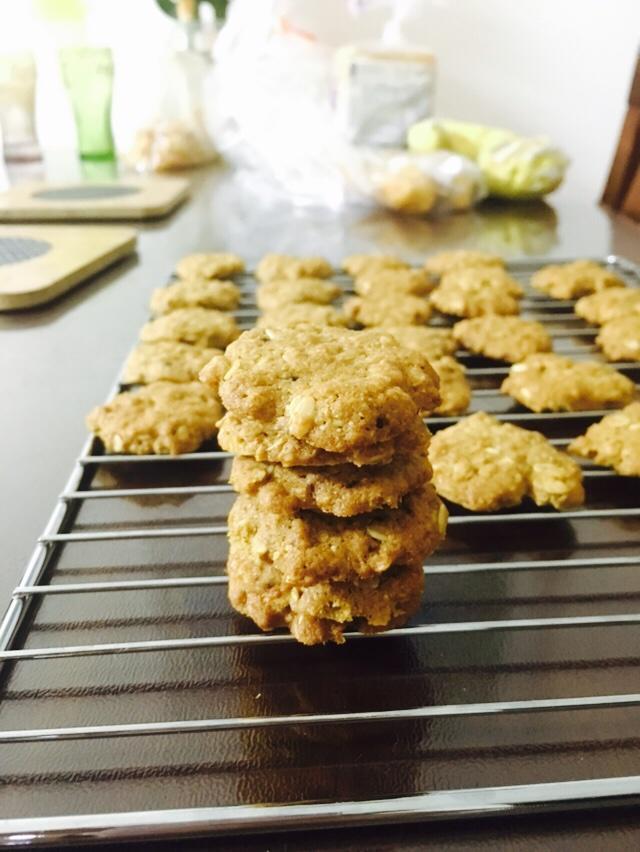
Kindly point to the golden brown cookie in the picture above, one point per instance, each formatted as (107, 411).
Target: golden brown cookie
(571, 280)
(305, 313)
(216, 264)
(394, 282)
(614, 441)
(364, 264)
(402, 309)
(475, 291)
(342, 490)
(197, 326)
(608, 304)
(163, 417)
(269, 442)
(309, 547)
(446, 261)
(333, 388)
(455, 392)
(485, 465)
(549, 382)
(274, 267)
(166, 360)
(275, 294)
(619, 338)
(323, 611)
(195, 293)
(431, 342)
(503, 338)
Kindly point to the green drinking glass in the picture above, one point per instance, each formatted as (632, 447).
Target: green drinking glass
(88, 75)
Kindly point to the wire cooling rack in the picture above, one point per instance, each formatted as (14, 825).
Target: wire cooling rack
(135, 704)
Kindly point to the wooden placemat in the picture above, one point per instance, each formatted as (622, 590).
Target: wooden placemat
(130, 197)
(39, 263)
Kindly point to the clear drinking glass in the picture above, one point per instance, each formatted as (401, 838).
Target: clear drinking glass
(17, 106)
(88, 76)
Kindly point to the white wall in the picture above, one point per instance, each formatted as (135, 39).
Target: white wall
(560, 67)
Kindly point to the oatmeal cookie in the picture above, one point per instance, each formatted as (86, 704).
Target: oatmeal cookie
(163, 417)
(485, 465)
(571, 280)
(286, 316)
(371, 311)
(503, 338)
(619, 338)
(274, 267)
(333, 388)
(446, 261)
(342, 490)
(475, 291)
(197, 326)
(455, 392)
(323, 611)
(309, 547)
(608, 304)
(268, 442)
(433, 343)
(275, 294)
(195, 293)
(549, 382)
(364, 264)
(614, 441)
(394, 282)
(216, 264)
(166, 360)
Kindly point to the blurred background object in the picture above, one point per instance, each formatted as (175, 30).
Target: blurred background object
(622, 191)
(531, 67)
(513, 166)
(17, 106)
(88, 76)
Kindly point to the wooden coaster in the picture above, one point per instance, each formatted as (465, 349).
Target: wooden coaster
(39, 263)
(131, 197)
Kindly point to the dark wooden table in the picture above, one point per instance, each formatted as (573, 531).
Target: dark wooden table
(61, 359)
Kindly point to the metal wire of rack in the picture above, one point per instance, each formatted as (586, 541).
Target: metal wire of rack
(162, 714)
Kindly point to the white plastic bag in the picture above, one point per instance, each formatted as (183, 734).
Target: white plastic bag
(273, 102)
(174, 135)
(419, 184)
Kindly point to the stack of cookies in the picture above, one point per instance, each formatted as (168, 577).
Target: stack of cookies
(336, 512)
